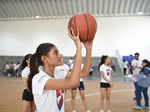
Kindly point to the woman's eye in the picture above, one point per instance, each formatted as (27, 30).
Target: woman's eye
(56, 52)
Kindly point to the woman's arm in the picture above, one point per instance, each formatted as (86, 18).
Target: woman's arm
(86, 69)
(74, 80)
(53, 84)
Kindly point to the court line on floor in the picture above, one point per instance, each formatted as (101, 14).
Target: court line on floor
(94, 94)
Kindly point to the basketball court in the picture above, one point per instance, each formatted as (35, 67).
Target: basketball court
(118, 29)
(121, 97)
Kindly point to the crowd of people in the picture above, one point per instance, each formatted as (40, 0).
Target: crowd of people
(11, 69)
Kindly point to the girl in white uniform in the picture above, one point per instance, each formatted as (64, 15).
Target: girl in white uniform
(27, 97)
(61, 72)
(43, 85)
(106, 82)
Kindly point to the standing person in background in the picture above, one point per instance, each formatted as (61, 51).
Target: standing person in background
(145, 72)
(91, 70)
(11, 69)
(14, 65)
(136, 66)
(16, 69)
(27, 97)
(6, 69)
(70, 62)
(106, 82)
(85, 69)
(125, 67)
(61, 72)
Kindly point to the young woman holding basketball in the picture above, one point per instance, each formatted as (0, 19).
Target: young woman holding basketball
(106, 82)
(43, 85)
(27, 97)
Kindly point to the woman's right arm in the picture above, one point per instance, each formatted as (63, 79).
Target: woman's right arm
(53, 84)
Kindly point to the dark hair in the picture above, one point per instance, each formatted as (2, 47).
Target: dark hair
(137, 54)
(147, 64)
(103, 59)
(36, 61)
(24, 62)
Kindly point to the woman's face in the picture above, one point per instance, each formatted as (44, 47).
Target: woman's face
(28, 61)
(143, 64)
(53, 58)
(108, 60)
(62, 59)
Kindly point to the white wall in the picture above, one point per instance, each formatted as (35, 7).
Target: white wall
(127, 34)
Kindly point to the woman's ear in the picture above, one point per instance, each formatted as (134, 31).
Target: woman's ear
(44, 59)
(27, 61)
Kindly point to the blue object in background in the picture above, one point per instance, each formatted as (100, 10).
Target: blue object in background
(128, 58)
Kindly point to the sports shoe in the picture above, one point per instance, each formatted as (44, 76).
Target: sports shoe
(101, 111)
(88, 111)
(137, 107)
(74, 111)
(108, 110)
(145, 107)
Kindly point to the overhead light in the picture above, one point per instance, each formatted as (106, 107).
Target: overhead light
(140, 12)
(37, 16)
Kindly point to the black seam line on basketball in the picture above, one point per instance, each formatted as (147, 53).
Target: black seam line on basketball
(75, 23)
(87, 26)
(70, 24)
(96, 27)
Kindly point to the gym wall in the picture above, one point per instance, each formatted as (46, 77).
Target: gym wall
(127, 34)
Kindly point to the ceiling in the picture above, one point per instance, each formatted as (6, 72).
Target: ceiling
(40, 9)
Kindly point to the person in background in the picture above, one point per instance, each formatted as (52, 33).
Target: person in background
(139, 89)
(61, 72)
(136, 66)
(106, 82)
(6, 69)
(70, 62)
(27, 97)
(16, 69)
(11, 69)
(14, 65)
(91, 70)
(125, 67)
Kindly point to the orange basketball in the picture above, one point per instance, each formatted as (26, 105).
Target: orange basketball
(86, 25)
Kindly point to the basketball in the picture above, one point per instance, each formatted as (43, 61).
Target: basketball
(86, 25)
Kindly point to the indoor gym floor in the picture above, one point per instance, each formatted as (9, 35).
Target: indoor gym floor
(121, 96)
